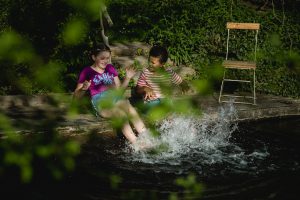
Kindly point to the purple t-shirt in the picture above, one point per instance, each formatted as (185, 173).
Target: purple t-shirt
(100, 81)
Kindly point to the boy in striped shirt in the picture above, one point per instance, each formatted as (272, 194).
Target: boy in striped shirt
(156, 81)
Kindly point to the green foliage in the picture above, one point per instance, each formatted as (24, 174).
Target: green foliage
(74, 32)
(40, 152)
(25, 69)
(193, 31)
(137, 65)
(44, 45)
(192, 189)
(195, 34)
(115, 180)
(90, 8)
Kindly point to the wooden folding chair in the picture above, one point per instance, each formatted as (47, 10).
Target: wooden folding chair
(240, 65)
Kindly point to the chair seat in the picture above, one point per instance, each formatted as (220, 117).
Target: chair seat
(234, 64)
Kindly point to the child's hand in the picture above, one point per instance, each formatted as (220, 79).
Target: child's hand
(130, 72)
(149, 94)
(86, 85)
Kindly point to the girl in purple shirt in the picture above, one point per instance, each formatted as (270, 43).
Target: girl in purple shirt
(100, 78)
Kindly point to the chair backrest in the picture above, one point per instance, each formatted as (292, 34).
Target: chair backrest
(242, 26)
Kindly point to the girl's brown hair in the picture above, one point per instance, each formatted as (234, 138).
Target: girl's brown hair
(100, 48)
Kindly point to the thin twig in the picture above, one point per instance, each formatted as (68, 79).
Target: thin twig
(283, 12)
(273, 8)
(231, 10)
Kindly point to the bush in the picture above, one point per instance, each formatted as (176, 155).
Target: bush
(193, 31)
(195, 34)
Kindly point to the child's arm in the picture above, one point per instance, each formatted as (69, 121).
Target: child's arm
(176, 79)
(130, 73)
(184, 86)
(81, 88)
(143, 89)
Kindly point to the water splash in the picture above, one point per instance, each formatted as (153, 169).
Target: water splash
(183, 134)
(195, 142)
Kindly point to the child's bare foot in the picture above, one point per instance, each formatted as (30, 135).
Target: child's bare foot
(142, 146)
(145, 146)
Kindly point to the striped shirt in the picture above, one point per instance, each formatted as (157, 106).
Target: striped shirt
(160, 82)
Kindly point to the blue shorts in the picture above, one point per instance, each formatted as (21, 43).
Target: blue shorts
(103, 100)
(153, 103)
(148, 105)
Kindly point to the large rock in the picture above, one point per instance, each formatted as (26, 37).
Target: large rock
(124, 54)
(185, 72)
(130, 49)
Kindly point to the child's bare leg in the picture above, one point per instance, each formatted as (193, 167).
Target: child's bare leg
(126, 128)
(136, 120)
(133, 116)
(128, 133)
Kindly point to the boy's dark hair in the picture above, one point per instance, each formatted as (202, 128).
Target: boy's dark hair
(99, 48)
(159, 52)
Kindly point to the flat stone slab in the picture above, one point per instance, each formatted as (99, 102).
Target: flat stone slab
(34, 109)
(268, 106)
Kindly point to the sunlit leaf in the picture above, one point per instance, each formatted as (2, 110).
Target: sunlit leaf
(115, 181)
(173, 196)
(15, 48)
(69, 163)
(57, 173)
(5, 124)
(202, 86)
(75, 32)
(44, 151)
(26, 173)
(49, 75)
(72, 147)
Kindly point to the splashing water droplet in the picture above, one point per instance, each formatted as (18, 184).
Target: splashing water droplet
(196, 142)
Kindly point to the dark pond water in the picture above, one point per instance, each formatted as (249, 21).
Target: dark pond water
(259, 160)
(249, 160)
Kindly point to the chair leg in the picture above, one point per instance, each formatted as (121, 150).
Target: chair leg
(222, 85)
(254, 80)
